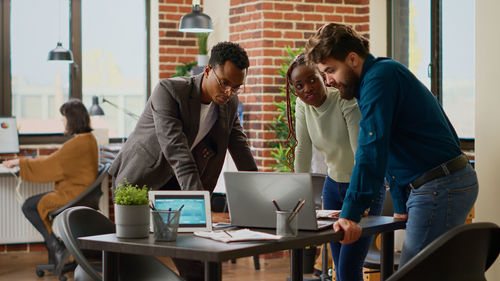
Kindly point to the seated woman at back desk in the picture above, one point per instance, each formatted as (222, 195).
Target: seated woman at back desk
(73, 168)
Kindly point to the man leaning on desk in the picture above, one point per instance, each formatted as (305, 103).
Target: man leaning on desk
(181, 138)
(404, 135)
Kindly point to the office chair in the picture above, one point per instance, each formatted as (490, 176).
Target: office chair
(372, 260)
(90, 197)
(83, 221)
(462, 253)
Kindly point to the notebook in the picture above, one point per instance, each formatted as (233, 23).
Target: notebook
(195, 215)
(250, 196)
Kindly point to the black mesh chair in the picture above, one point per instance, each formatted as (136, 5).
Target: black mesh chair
(463, 253)
(89, 198)
(77, 222)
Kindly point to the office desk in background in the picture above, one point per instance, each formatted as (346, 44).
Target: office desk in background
(213, 253)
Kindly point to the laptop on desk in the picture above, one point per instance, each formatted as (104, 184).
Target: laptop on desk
(250, 195)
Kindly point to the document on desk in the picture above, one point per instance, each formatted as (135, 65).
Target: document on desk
(327, 214)
(239, 235)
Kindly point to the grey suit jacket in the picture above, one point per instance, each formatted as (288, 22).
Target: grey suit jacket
(159, 146)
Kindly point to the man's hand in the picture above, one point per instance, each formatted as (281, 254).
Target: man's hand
(352, 231)
(401, 216)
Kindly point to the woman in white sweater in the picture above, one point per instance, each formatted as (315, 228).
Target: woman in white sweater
(331, 124)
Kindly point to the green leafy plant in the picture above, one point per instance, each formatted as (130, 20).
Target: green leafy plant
(202, 43)
(128, 194)
(280, 123)
(184, 69)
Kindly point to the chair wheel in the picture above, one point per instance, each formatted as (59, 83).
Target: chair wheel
(40, 273)
(62, 278)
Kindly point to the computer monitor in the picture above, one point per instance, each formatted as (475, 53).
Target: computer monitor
(9, 139)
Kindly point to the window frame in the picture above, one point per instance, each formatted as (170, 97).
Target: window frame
(75, 68)
(436, 61)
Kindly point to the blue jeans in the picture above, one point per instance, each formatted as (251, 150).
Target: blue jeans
(437, 207)
(349, 258)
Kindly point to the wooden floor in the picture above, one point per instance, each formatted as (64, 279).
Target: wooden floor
(20, 266)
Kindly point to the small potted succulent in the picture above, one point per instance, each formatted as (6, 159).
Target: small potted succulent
(131, 210)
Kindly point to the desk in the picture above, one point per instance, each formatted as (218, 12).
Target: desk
(213, 253)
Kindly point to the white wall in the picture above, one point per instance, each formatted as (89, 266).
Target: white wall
(378, 28)
(218, 10)
(486, 122)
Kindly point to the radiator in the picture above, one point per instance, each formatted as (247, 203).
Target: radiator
(14, 227)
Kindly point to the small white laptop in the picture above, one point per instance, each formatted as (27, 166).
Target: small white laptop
(250, 196)
(195, 215)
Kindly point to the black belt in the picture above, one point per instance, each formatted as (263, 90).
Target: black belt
(442, 170)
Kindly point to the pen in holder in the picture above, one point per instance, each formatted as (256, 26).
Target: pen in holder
(286, 223)
(166, 223)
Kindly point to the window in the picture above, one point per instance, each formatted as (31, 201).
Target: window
(114, 57)
(435, 39)
(39, 87)
(110, 49)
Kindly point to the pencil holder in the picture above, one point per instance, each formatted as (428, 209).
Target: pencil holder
(165, 224)
(286, 224)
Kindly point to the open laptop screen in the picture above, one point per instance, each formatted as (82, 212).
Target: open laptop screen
(195, 215)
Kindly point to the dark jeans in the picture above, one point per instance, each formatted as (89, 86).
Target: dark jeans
(348, 258)
(30, 211)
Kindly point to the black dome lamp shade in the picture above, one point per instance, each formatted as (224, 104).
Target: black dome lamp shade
(196, 21)
(60, 53)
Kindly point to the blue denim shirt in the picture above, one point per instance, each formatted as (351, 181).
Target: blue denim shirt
(404, 132)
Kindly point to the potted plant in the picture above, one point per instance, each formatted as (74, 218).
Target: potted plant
(131, 211)
(202, 48)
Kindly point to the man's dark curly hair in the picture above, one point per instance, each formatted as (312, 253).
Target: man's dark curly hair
(229, 51)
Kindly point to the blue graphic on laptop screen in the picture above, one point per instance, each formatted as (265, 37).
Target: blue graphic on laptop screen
(193, 212)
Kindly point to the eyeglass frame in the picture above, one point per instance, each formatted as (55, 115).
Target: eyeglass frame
(228, 88)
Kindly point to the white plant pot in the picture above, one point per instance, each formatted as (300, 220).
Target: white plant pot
(132, 221)
(202, 60)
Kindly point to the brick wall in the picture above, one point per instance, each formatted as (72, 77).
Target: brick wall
(175, 47)
(264, 28)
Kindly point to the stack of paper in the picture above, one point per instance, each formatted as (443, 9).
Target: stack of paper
(237, 235)
(327, 214)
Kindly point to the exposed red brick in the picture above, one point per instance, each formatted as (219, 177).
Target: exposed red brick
(323, 9)
(304, 8)
(333, 18)
(356, 19)
(357, 2)
(283, 7)
(363, 10)
(344, 10)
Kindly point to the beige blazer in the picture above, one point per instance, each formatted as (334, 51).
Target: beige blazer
(159, 146)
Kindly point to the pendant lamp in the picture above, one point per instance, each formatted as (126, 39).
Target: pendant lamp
(60, 53)
(196, 21)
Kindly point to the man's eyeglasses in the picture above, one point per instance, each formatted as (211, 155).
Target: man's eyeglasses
(228, 89)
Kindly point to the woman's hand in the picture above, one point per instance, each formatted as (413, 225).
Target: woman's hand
(11, 163)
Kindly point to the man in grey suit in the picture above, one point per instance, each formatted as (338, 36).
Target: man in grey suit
(181, 138)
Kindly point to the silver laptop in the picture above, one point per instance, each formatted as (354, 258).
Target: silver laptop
(250, 195)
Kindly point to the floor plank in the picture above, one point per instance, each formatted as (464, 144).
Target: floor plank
(20, 266)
